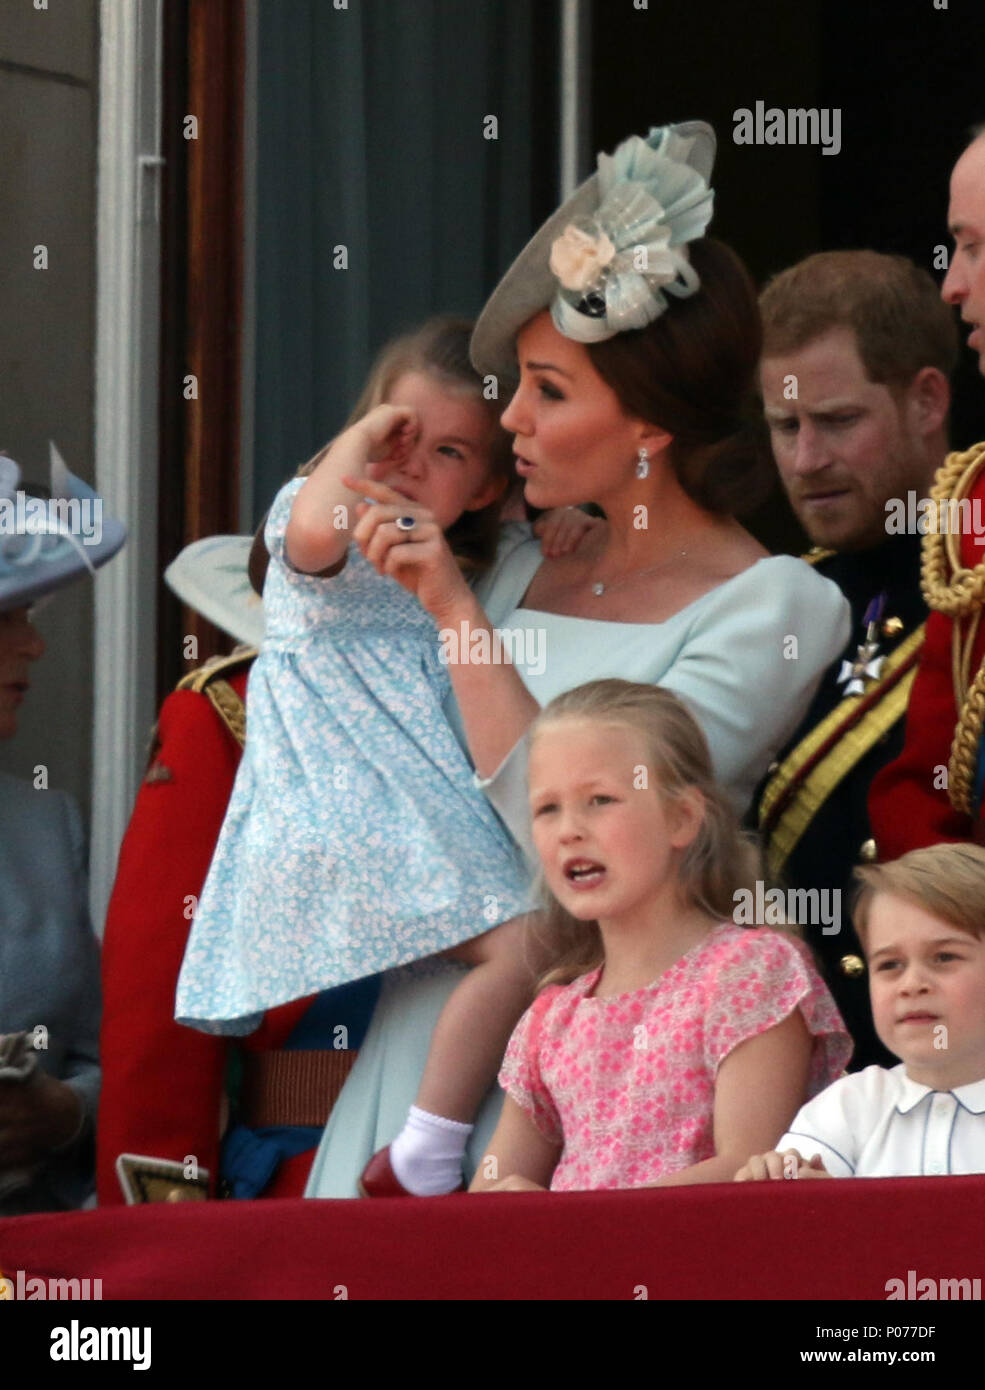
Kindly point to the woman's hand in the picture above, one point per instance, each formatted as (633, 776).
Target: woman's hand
(419, 559)
(514, 1183)
(562, 529)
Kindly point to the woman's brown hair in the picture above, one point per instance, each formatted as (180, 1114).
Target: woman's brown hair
(692, 372)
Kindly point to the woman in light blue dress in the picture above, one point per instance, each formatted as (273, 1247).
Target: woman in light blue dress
(634, 341)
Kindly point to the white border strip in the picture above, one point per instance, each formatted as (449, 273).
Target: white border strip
(127, 237)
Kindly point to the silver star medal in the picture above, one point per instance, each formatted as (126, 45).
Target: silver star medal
(866, 665)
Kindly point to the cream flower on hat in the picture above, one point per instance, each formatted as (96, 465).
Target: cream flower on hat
(578, 257)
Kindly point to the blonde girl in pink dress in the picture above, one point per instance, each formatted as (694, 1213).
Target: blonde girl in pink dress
(668, 1044)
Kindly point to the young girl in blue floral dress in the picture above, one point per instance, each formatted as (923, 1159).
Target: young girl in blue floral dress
(355, 838)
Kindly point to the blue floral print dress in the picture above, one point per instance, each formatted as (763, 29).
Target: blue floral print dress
(355, 838)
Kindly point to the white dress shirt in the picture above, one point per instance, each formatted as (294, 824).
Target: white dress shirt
(881, 1124)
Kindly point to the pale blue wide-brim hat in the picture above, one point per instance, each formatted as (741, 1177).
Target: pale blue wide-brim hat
(48, 541)
(631, 221)
(212, 576)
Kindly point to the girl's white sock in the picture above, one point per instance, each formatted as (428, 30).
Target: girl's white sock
(426, 1155)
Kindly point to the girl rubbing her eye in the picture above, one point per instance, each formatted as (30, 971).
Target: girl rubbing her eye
(355, 839)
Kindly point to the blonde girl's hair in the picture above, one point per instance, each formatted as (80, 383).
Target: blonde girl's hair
(439, 348)
(720, 861)
(948, 881)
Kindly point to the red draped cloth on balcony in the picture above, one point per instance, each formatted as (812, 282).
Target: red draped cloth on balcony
(838, 1239)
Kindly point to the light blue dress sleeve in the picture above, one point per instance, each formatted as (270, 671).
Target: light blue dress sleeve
(751, 668)
(507, 793)
(518, 557)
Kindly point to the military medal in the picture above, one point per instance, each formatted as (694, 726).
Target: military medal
(867, 663)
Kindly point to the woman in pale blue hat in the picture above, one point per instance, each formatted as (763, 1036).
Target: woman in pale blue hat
(49, 982)
(632, 342)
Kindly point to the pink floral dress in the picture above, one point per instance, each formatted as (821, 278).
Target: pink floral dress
(627, 1084)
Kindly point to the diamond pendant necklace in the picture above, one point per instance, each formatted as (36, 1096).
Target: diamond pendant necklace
(599, 588)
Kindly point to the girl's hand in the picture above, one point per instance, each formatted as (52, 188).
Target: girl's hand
(773, 1165)
(419, 559)
(389, 432)
(562, 529)
(514, 1183)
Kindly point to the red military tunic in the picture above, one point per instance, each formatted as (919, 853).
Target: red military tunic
(163, 1086)
(909, 803)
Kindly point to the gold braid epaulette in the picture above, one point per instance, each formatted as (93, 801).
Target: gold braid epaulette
(959, 593)
(209, 680)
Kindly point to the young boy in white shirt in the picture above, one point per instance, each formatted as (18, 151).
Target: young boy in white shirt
(921, 921)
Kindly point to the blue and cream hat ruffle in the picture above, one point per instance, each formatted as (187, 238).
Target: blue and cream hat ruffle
(607, 260)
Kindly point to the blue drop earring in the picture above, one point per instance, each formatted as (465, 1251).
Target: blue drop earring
(643, 463)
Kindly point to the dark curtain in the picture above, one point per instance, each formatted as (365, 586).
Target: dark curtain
(372, 135)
